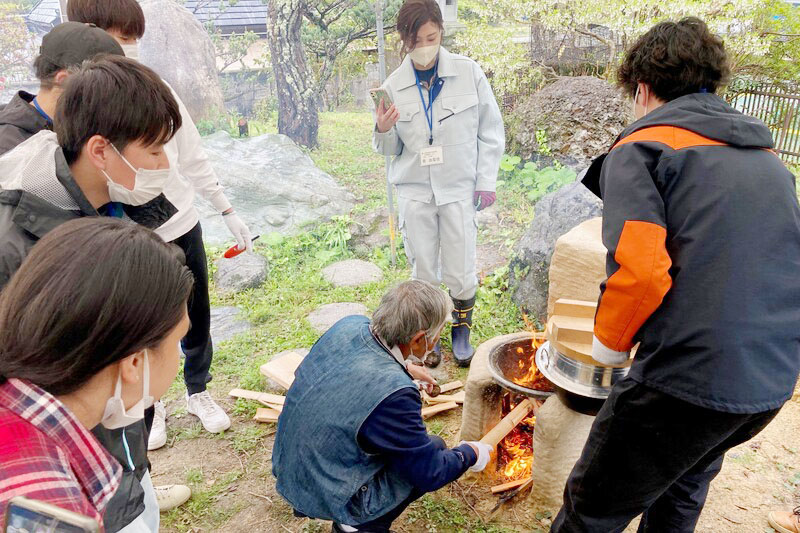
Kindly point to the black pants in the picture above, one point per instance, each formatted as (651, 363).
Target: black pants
(649, 452)
(197, 343)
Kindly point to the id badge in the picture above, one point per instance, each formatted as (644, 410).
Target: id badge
(431, 156)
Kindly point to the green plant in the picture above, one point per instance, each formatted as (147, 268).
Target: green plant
(536, 182)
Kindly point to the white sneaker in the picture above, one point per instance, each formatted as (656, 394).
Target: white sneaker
(210, 414)
(172, 496)
(158, 433)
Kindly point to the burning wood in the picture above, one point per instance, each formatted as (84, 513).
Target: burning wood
(507, 424)
(497, 489)
(530, 376)
(515, 456)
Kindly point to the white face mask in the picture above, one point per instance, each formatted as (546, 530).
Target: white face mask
(115, 415)
(131, 50)
(635, 99)
(424, 55)
(147, 185)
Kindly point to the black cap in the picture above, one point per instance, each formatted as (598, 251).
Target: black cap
(71, 43)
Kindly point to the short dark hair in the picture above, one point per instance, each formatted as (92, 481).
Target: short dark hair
(118, 98)
(676, 59)
(412, 16)
(90, 293)
(45, 70)
(124, 16)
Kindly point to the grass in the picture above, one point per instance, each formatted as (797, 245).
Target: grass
(278, 310)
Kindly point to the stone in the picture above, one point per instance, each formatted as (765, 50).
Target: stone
(275, 387)
(352, 273)
(245, 271)
(558, 442)
(179, 49)
(273, 185)
(578, 265)
(322, 318)
(554, 215)
(227, 323)
(581, 116)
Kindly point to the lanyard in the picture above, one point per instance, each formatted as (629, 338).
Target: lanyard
(41, 111)
(428, 108)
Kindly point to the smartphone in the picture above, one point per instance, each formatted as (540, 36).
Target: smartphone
(24, 515)
(378, 95)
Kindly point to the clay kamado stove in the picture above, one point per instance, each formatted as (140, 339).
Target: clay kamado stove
(554, 367)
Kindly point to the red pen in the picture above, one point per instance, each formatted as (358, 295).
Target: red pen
(234, 250)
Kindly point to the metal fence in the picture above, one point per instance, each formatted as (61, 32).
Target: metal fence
(779, 108)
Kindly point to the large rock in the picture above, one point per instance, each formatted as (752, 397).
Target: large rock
(179, 49)
(555, 214)
(273, 184)
(582, 116)
(245, 271)
(578, 265)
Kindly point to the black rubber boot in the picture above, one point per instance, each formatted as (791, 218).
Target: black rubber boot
(462, 325)
(435, 357)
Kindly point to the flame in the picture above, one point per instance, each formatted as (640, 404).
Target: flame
(532, 378)
(516, 451)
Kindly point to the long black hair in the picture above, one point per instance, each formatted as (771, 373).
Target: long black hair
(90, 293)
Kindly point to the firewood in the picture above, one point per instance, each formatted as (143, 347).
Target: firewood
(504, 427)
(447, 387)
(508, 497)
(264, 414)
(444, 398)
(282, 370)
(428, 412)
(274, 401)
(497, 489)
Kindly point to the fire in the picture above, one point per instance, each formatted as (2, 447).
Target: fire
(515, 455)
(531, 378)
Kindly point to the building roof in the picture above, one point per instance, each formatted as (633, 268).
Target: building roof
(44, 15)
(242, 16)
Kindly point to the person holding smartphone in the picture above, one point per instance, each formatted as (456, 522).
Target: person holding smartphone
(444, 129)
(89, 333)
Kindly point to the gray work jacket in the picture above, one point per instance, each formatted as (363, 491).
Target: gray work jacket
(466, 122)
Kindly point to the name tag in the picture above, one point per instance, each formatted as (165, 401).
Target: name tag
(431, 156)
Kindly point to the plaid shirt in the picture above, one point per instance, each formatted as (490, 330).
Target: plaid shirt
(47, 455)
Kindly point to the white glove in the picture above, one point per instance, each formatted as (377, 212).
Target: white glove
(484, 455)
(603, 354)
(239, 230)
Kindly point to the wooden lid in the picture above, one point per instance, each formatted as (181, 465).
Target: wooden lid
(571, 329)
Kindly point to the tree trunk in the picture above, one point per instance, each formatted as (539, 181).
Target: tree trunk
(294, 81)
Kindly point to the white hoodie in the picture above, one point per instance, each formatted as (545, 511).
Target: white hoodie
(191, 172)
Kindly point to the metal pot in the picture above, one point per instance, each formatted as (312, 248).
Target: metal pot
(580, 386)
(504, 366)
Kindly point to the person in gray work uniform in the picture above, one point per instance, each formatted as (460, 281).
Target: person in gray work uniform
(444, 128)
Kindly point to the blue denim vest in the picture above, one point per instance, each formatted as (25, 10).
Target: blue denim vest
(319, 466)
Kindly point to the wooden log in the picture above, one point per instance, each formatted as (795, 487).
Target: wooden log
(264, 414)
(428, 412)
(447, 387)
(508, 497)
(282, 370)
(444, 398)
(504, 427)
(274, 401)
(497, 489)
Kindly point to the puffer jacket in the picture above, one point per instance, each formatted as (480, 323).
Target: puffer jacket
(36, 196)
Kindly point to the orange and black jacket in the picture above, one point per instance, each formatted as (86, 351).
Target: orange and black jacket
(702, 226)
